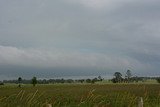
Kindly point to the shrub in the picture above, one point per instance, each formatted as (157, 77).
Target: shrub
(158, 79)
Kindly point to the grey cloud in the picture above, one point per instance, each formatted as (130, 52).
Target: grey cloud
(42, 63)
(59, 58)
(101, 34)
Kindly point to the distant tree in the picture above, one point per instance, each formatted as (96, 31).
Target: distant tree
(135, 78)
(34, 81)
(118, 77)
(62, 80)
(100, 78)
(88, 80)
(114, 80)
(158, 79)
(19, 81)
(128, 75)
(81, 80)
(44, 81)
(69, 81)
(94, 80)
(1, 83)
(52, 81)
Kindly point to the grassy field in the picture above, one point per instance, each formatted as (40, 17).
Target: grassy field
(80, 95)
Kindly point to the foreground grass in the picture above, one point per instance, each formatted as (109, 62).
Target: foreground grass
(82, 95)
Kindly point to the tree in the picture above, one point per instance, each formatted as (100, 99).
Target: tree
(19, 81)
(81, 80)
(88, 80)
(94, 80)
(158, 79)
(118, 77)
(34, 81)
(62, 80)
(114, 80)
(128, 75)
(1, 83)
(100, 78)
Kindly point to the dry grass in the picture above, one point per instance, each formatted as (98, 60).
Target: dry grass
(82, 95)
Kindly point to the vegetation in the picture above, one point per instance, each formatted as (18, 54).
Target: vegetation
(54, 81)
(34, 81)
(158, 79)
(128, 76)
(118, 77)
(19, 81)
(80, 95)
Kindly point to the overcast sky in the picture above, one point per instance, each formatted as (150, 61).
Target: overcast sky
(56, 38)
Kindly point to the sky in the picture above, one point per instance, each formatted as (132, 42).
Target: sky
(58, 38)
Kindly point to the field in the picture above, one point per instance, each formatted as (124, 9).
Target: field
(80, 95)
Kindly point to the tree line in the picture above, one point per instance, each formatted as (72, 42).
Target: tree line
(118, 78)
(34, 81)
(129, 78)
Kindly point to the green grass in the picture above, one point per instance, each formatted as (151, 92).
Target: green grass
(82, 95)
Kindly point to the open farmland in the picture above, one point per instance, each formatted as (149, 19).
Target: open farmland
(82, 95)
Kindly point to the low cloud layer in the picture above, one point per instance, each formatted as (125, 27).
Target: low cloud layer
(61, 61)
(43, 58)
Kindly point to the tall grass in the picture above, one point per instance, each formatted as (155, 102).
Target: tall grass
(21, 100)
(81, 96)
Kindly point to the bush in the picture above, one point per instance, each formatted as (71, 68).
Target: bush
(158, 79)
(88, 80)
(114, 80)
(1, 83)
